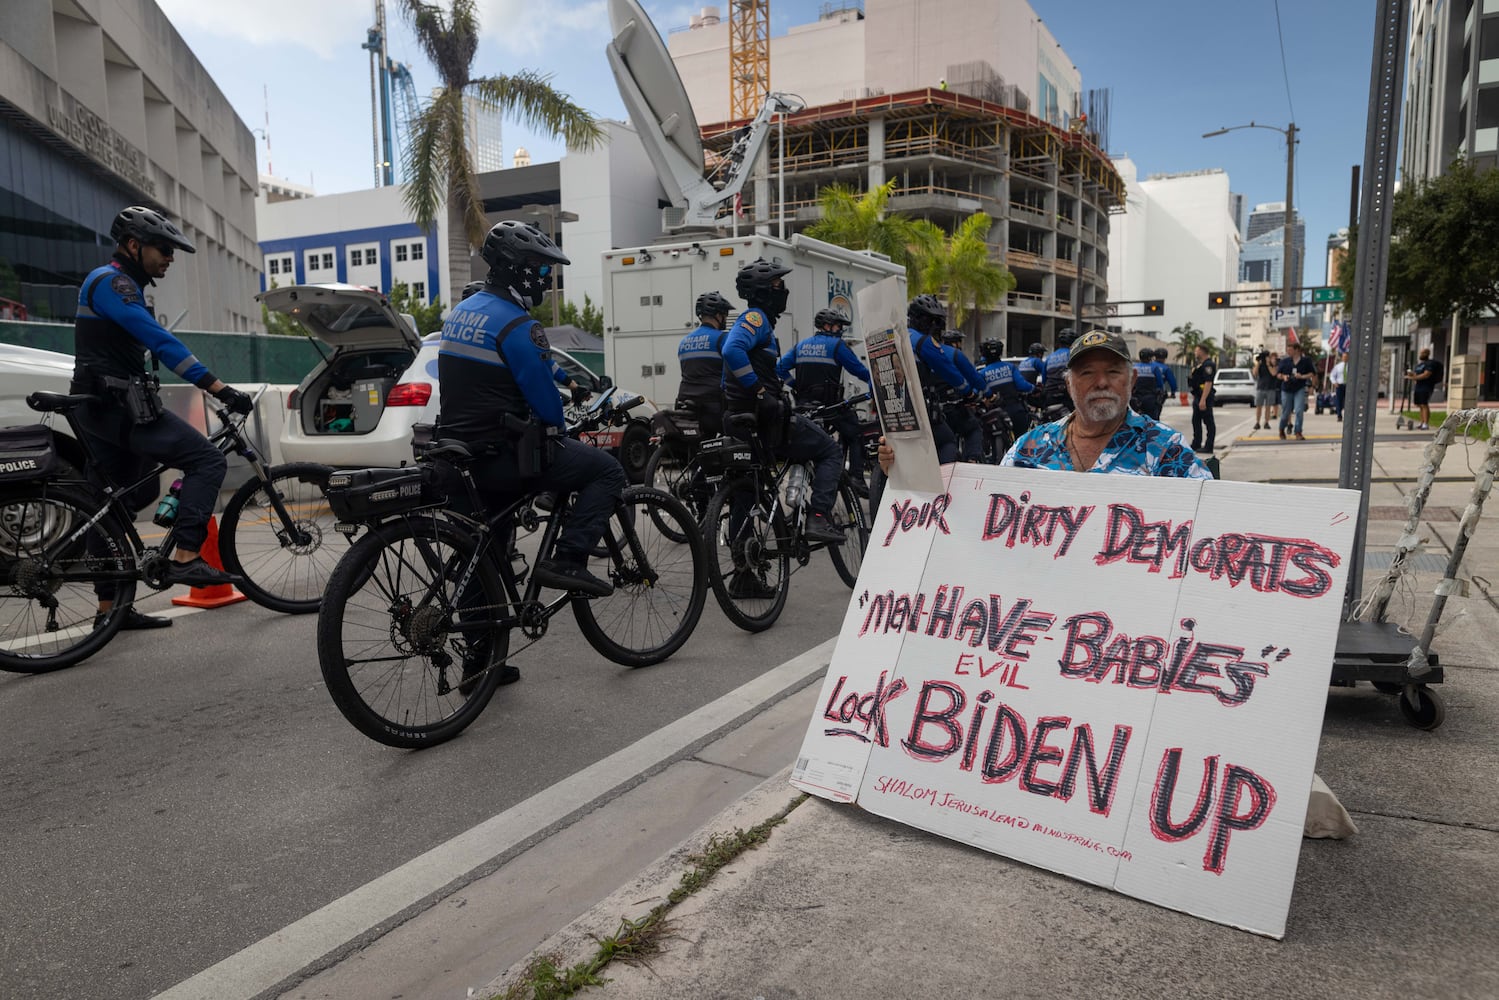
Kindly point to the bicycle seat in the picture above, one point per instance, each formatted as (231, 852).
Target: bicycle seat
(451, 449)
(58, 402)
(745, 422)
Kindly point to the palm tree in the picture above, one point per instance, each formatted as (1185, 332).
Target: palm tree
(437, 160)
(962, 271)
(1188, 337)
(860, 222)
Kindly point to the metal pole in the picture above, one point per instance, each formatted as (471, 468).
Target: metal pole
(781, 161)
(556, 313)
(1288, 255)
(1380, 149)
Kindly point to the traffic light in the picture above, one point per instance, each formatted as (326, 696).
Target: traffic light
(1155, 307)
(1217, 300)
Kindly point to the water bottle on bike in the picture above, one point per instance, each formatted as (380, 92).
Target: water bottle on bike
(166, 511)
(796, 486)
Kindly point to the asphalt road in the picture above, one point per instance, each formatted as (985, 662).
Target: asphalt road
(186, 792)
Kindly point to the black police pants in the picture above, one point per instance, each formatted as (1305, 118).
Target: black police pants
(1020, 417)
(1204, 425)
(593, 474)
(852, 442)
(171, 441)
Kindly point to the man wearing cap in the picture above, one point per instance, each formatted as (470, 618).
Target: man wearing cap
(1102, 434)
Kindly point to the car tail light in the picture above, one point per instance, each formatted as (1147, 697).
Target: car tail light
(409, 394)
(292, 397)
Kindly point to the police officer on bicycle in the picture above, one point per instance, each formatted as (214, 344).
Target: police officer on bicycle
(700, 357)
(941, 381)
(1005, 385)
(1150, 390)
(1033, 365)
(815, 368)
(128, 431)
(751, 385)
(494, 359)
(1054, 381)
(966, 425)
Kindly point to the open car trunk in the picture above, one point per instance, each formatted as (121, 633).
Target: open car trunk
(348, 394)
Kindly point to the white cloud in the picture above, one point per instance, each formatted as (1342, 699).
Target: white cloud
(557, 31)
(326, 27)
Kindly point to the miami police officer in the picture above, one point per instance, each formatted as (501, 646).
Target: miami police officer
(1054, 387)
(1033, 365)
(1005, 385)
(941, 381)
(751, 385)
(1168, 377)
(494, 359)
(1150, 389)
(700, 357)
(966, 426)
(128, 431)
(815, 367)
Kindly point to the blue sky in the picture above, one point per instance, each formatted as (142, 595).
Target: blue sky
(1177, 69)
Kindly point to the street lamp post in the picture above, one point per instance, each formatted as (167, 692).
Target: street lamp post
(1288, 244)
(554, 218)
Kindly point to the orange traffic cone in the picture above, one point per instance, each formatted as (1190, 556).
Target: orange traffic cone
(219, 594)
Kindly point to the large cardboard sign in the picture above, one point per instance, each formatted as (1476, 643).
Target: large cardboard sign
(898, 399)
(1118, 678)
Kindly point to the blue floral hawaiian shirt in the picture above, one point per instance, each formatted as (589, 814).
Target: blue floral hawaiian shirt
(1140, 447)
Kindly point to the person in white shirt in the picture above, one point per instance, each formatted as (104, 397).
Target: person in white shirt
(1339, 379)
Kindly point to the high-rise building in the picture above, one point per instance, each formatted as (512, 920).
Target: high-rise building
(483, 134)
(1263, 257)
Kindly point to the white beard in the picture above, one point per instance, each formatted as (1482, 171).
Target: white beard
(1102, 407)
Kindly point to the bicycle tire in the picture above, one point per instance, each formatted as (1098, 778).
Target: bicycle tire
(675, 471)
(34, 559)
(646, 620)
(848, 513)
(755, 554)
(388, 613)
(279, 571)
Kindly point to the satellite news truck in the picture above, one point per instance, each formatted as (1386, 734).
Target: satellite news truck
(650, 294)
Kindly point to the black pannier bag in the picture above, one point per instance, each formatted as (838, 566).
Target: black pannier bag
(372, 494)
(26, 453)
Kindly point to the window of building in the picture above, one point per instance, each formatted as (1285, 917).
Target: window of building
(419, 291)
(417, 251)
(286, 265)
(273, 266)
(400, 251)
(312, 262)
(356, 258)
(327, 262)
(371, 256)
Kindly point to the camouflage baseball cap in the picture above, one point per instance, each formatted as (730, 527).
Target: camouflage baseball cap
(1097, 340)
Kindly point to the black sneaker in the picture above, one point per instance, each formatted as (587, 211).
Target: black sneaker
(820, 529)
(745, 584)
(473, 665)
(197, 573)
(571, 577)
(134, 621)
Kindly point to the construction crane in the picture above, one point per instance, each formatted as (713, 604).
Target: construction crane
(749, 57)
(393, 105)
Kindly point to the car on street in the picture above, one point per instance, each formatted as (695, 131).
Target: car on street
(357, 407)
(1234, 385)
(24, 370)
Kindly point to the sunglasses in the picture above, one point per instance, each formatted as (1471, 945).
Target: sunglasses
(165, 249)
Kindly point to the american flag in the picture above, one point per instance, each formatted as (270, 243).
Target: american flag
(1339, 338)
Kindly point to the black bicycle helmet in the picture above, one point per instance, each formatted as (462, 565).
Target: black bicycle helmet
(1066, 336)
(1161, 354)
(512, 246)
(149, 226)
(830, 317)
(1146, 353)
(925, 314)
(1037, 350)
(471, 288)
(992, 350)
(954, 337)
(713, 304)
(754, 281)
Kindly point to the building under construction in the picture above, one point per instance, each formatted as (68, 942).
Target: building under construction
(1049, 190)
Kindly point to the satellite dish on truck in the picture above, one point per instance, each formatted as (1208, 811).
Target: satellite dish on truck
(653, 94)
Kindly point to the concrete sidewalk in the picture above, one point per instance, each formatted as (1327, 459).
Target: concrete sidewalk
(841, 903)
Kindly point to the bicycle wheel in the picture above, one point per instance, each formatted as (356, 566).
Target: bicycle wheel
(51, 583)
(399, 662)
(285, 566)
(660, 584)
(749, 554)
(674, 470)
(848, 513)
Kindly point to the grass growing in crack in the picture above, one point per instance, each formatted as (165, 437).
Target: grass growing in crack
(544, 979)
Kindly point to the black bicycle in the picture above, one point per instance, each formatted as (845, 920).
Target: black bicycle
(416, 625)
(753, 539)
(68, 545)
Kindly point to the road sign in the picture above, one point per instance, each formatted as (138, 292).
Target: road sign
(1327, 295)
(1283, 317)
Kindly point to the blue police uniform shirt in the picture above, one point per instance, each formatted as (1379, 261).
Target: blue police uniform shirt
(470, 333)
(999, 374)
(1140, 447)
(110, 293)
(822, 349)
(1147, 370)
(930, 353)
(1056, 363)
(1164, 374)
(1033, 368)
(752, 334)
(970, 374)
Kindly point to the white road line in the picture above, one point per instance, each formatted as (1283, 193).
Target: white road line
(281, 955)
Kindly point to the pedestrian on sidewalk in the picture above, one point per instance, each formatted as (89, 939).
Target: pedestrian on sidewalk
(1295, 372)
(1200, 385)
(1266, 389)
(1339, 377)
(1424, 378)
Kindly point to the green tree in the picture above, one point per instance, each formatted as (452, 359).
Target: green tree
(428, 315)
(279, 324)
(961, 271)
(438, 164)
(860, 222)
(1188, 337)
(1444, 248)
(590, 317)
